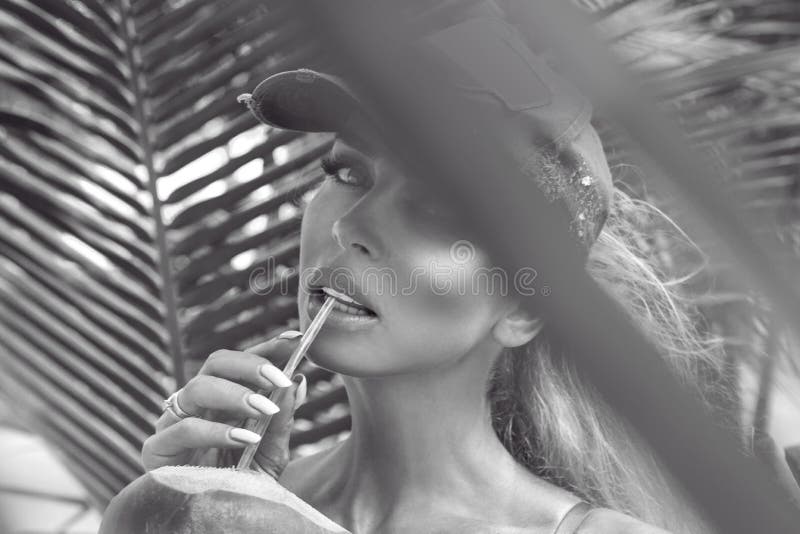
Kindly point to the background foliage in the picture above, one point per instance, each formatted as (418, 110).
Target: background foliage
(149, 220)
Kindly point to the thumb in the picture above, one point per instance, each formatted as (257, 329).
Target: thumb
(273, 453)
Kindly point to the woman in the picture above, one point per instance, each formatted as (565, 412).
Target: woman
(465, 417)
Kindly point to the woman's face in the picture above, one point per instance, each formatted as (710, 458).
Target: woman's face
(394, 249)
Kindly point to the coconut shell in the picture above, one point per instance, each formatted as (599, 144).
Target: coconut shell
(206, 500)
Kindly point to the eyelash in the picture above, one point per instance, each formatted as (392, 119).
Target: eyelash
(331, 164)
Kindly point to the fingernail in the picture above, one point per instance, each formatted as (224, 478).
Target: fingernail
(302, 388)
(290, 334)
(274, 375)
(262, 404)
(244, 436)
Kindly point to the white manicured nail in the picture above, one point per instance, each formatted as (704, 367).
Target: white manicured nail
(244, 436)
(262, 404)
(302, 389)
(290, 334)
(274, 375)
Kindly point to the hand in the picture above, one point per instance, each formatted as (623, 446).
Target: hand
(220, 397)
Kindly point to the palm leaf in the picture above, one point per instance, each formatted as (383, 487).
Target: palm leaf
(732, 79)
(127, 210)
(140, 198)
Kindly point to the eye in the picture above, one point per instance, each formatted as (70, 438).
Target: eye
(344, 170)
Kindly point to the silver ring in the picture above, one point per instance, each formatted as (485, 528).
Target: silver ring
(171, 404)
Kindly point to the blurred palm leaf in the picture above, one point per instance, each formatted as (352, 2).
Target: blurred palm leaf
(150, 220)
(730, 73)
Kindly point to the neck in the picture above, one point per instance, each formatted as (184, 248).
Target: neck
(424, 442)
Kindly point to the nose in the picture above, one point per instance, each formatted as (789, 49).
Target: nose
(352, 231)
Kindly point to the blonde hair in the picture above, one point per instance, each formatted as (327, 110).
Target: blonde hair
(555, 423)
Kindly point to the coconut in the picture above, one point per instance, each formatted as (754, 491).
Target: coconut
(206, 500)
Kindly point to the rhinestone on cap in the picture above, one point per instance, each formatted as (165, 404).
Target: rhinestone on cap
(573, 185)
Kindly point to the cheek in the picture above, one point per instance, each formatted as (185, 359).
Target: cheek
(442, 309)
(316, 240)
(317, 216)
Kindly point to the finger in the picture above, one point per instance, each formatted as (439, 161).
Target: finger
(172, 446)
(275, 351)
(167, 419)
(264, 348)
(206, 392)
(249, 367)
(252, 369)
(273, 453)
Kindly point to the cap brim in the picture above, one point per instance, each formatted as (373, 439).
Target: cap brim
(303, 100)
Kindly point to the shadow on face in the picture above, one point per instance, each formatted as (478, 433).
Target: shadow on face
(434, 291)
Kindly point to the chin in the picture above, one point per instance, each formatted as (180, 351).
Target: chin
(335, 352)
(339, 356)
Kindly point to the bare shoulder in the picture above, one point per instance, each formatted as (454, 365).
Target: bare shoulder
(607, 521)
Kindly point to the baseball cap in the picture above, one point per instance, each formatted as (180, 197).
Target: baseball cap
(486, 59)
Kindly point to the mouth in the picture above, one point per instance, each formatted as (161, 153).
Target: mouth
(344, 303)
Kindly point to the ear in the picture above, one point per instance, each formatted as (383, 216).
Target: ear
(516, 327)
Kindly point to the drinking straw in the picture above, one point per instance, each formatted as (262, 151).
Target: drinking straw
(259, 425)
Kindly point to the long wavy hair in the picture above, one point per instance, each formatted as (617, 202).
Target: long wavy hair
(555, 423)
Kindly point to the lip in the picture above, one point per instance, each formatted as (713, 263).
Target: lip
(341, 297)
(338, 318)
(331, 277)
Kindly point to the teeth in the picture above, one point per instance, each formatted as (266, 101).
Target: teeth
(357, 308)
(349, 309)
